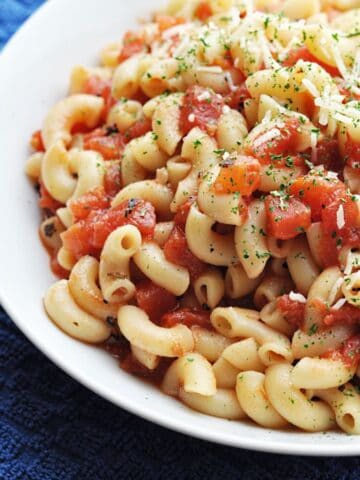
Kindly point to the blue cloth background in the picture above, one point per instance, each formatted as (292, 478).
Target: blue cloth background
(45, 436)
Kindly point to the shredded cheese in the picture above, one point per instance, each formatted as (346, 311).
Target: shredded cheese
(297, 297)
(339, 304)
(211, 69)
(191, 118)
(340, 217)
(204, 96)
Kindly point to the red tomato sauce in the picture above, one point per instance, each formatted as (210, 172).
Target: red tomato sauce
(87, 237)
(133, 43)
(204, 107)
(188, 317)
(293, 311)
(349, 353)
(177, 251)
(302, 53)
(286, 217)
(154, 300)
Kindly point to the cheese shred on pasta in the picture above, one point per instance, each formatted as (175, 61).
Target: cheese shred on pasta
(200, 194)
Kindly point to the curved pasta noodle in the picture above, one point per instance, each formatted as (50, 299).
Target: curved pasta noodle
(136, 327)
(346, 405)
(114, 273)
(193, 373)
(209, 287)
(150, 259)
(237, 283)
(159, 195)
(250, 391)
(86, 293)
(222, 404)
(67, 315)
(302, 267)
(292, 404)
(165, 123)
(320, 373)
(209, 246)
(208, 343)
(76, 109)
(250, 242)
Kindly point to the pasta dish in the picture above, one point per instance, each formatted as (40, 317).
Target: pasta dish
(200, 193)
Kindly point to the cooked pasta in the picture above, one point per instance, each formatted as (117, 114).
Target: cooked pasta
(200, 191)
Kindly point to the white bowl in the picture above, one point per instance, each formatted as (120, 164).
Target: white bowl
(35, 68)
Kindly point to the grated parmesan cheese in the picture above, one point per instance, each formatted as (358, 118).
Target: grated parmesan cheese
(311, 87)
(339, 304)
(191, 118)
(297, 297)
(204, 96)
(177, 30)
(340, 217)
(313, 142)
(226, 109)
(213, 69)
(267, 137)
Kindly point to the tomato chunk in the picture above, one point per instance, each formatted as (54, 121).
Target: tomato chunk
(327, 154)
(286, 218)
(339, 228)
(167, 21)
(203, 11)
(293, 311)
(36, 142)
(177, 251)
(46, 201)
(352, 152)
(349, 353)
(183, 212)
(87, 237)
(317, 190)
(95, 199)
(101, 88)
(188, 317)
(237, 97)
(348, 315)
(201, 108)
(241, 174)
(133, 44)
(112, 180)
(276, 142)
(154, 300)
(302, 53)
(106, 141)
(139, 128)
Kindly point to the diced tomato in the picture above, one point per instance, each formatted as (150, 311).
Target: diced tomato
(352, 152)
(317, 190)
(166, 21)
(188, 317)
(95, 199)
(302, 53)
(183, 212)
(237, 97)
(292, 311)
(46, 201)
(241, 174)
(101, 88)
(112, 179)
(87, 237)
(203, 11)
(276, 142)
(109, 145)
(133, 44)
(339, 228)
(349, 353)
(154, 300)
(36, 142)
(286, 218)
(56, 268)
(177, 251)
(139, 128)
(347, 314)
(327, 154)
(202, 106)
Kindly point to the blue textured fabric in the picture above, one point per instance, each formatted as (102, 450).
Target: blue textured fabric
(44, 435)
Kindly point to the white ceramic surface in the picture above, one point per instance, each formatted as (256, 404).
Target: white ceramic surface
(35, 68)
